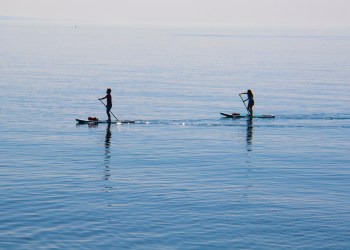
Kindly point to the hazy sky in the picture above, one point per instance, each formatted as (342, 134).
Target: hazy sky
(323, 13)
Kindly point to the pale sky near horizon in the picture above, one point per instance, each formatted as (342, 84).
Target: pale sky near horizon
(297, 13)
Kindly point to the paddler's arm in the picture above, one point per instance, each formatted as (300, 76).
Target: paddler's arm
(244, 94)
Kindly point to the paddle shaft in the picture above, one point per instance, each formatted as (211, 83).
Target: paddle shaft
(244, 103)
(110, 110)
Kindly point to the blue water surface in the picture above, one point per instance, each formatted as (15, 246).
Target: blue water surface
(181, 177)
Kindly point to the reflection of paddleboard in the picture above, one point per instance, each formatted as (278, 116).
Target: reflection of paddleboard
(237, 115)
(105, 121)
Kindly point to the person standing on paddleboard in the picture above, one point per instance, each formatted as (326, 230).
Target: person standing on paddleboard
(109, 103)
(250, 100)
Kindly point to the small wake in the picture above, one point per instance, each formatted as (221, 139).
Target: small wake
(319, 116)
(279, 120)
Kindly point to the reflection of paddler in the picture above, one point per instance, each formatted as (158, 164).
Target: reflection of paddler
(107, 150)
(249, 138)
(108, 136)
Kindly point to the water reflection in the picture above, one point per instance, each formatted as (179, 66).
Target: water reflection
(107, 152)
(249, 138)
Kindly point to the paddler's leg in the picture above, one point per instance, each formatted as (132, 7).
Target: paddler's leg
(250, 108)
(108, 109)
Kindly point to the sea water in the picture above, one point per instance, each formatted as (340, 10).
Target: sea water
(181, 177)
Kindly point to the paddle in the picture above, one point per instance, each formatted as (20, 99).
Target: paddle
(244, 104)
(110, 110)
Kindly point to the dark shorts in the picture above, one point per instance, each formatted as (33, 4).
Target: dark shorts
(108, 108)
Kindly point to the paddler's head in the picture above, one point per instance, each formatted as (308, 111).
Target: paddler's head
(250, 93)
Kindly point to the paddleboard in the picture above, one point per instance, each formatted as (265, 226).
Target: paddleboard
(236, 115)
(80, 121)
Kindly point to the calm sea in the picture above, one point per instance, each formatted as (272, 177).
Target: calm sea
(181, 177)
